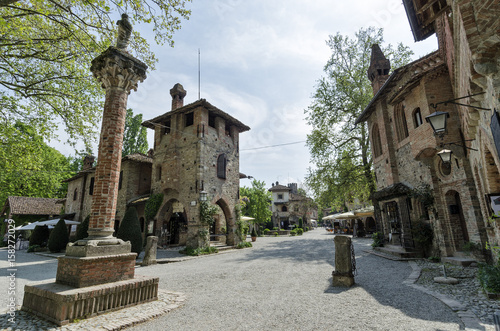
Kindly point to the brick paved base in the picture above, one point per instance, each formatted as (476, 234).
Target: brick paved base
(62, 304)
(94, 270)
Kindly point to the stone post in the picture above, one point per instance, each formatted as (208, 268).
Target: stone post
(343, 273)
(150, 251)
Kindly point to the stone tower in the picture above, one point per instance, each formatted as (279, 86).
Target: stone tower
(378, 72)
(196, 153)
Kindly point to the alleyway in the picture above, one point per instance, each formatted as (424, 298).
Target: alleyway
(284, 284)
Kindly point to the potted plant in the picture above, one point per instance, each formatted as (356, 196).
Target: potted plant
(254, 235)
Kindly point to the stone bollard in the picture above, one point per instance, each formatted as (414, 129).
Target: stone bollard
(343, 273)
(150, 251)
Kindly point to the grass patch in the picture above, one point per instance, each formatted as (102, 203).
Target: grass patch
(244, 244)
(199, 251)
(489, 277)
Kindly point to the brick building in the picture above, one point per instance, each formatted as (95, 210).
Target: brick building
(288, 206)
(134, 186)
(404, 146)
(196, 152)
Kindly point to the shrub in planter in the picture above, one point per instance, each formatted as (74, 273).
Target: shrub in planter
(40, 236)
(378, 239)
(254, 233)
(58, 237)
(130, 230)
(301, 223)
(266, 232)
(300, 231)
(275, 234)
(293, 232)
(82, 229)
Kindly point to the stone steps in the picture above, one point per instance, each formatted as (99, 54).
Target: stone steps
(397, 251)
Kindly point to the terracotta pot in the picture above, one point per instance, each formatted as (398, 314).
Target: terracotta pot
(254, 238)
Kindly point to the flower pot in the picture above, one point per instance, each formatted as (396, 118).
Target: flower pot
(254, 238)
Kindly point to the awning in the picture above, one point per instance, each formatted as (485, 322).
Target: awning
(49, 223)
(356, 213)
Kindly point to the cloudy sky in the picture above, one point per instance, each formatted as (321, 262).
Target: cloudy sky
(260, 60)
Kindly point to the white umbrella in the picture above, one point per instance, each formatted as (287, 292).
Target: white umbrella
(55, 220)
(31, 226)
(246, 218)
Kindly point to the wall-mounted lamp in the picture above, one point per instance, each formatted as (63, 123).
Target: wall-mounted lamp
(438, 119)
(203, 196)
(445, 155)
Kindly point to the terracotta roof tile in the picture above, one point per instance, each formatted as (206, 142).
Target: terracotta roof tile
(33, 206)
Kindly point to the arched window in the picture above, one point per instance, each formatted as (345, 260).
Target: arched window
(376, 143)
(400, 122)
(417, 118)
(284, 208)
(75, 194)
(221, 166)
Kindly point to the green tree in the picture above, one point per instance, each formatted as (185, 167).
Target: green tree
(28, 167)
(130, 230)
(259, 200)
(46, 49)
(339, 150)
(39, 236)
(82, 229)
(135, 137)
(58, 238)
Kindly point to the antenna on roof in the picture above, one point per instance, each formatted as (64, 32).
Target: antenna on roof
(199, 70)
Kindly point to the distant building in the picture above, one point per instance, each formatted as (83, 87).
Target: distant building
(288, 206)
(28, 209)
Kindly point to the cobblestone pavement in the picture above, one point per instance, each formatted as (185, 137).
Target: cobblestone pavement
(282, 283)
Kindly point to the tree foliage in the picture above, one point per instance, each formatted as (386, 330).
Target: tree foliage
(135, 137)
(340, 150)
(28, 167)
(258, 200)
(46, 47)
(58, 238)
(130, 230)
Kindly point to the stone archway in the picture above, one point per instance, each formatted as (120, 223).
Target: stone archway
(231, 237)
(458, 233)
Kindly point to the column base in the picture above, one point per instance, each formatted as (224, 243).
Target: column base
(61, 304)
(342, 280)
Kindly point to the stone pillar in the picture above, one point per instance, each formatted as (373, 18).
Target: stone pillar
(342, 275)
(118, 72)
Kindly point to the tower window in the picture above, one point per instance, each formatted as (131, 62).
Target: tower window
(221, 166)
(211, 119)
(189, 119)
(417, 118)
(75, 194)
(91, 188)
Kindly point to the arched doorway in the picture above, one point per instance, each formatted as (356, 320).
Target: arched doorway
(173, 223)
(458, 226)
(225, 224)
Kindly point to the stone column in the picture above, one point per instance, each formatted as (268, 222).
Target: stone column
(118, 72)
(343, 276)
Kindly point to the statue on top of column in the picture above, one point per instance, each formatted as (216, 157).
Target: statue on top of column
(124, 32)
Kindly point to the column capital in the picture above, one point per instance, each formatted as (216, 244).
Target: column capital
(117, 68)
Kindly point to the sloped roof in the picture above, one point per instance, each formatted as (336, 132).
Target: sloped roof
(200, 103)
(279, 187)
(33, 206)
(137, 157)
(405, 76)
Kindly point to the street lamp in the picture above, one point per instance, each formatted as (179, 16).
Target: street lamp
(445, 155)
(203, 196)
(437, 120)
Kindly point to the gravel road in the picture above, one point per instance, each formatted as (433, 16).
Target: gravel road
(283, 283)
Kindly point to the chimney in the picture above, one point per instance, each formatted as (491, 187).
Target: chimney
(378, 72)
(88, 162)
(178, 93)
(151, 153)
